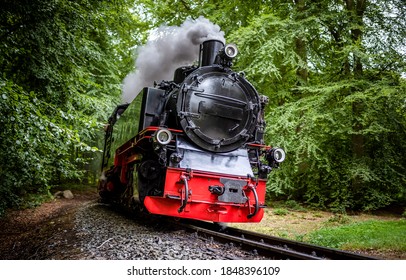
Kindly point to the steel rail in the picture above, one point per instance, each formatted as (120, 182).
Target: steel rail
(270, 246)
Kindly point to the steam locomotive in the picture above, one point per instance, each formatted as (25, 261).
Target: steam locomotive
(192, 147)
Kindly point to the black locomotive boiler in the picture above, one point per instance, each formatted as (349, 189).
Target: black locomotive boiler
(192, 147)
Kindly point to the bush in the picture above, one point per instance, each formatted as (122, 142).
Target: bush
(294, 205)
(33, 144)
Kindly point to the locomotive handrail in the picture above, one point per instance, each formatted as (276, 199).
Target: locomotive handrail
(249, 216)
(222, 98)
(184, 201)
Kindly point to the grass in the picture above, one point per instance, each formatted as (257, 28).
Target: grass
(373, 234)
(382, 234)
(280, 211)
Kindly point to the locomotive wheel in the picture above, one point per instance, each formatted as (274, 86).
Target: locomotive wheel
(149, 169)
(150, 179)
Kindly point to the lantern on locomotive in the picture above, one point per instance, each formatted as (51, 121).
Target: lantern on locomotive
(192, 147)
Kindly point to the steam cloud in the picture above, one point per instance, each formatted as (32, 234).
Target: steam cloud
(168, 48)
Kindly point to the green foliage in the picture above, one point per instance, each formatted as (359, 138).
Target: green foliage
(339, 219)
(267, 55)
(364, 235)
(294, 205)
(62, 63)
(229, 15)
(36, 144)
(280, 211)
(317, 133)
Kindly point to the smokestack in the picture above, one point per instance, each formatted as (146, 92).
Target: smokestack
(208, 52)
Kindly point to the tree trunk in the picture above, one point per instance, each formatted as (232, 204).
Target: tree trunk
(300, 45)
(356, 9)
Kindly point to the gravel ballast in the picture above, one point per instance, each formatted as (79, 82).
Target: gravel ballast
(106, 234)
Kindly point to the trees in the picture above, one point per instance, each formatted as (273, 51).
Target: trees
(62, 63)
(349, 120)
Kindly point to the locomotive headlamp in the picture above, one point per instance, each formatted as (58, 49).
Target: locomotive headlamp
(277, 154)
(163, 136)
(230, 51)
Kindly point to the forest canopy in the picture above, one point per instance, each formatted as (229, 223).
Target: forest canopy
(334, 71)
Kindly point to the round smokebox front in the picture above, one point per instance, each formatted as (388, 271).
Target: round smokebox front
(217, 109)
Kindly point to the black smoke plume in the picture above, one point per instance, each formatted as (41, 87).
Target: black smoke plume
(168, 48)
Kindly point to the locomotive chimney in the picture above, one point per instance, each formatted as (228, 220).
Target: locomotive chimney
(208, 52)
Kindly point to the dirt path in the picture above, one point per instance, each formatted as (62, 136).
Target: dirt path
(45, 232)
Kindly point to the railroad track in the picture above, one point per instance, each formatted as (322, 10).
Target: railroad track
(269, 246)
(264, 245)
